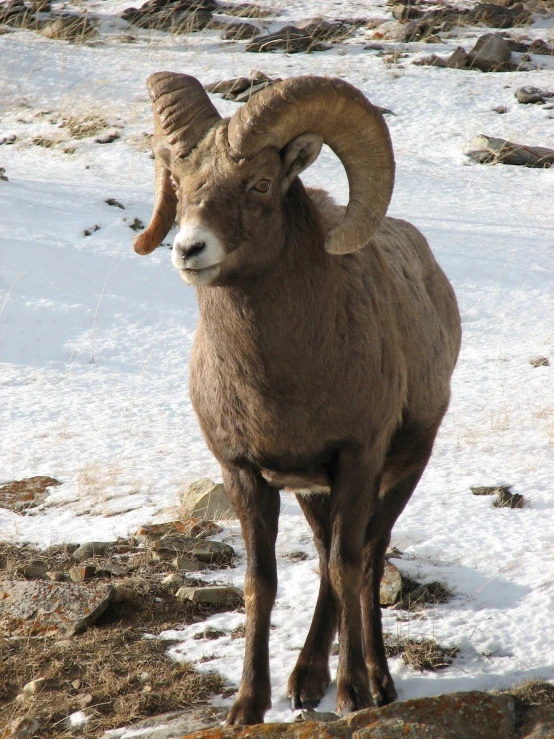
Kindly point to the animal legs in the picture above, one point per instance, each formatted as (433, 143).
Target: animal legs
(257, 505)
(353, 497)
(310, 677)
(377, 539)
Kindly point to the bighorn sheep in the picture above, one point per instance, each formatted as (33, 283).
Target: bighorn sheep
(323, 355)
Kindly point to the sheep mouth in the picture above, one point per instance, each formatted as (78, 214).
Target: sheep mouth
(202, 276)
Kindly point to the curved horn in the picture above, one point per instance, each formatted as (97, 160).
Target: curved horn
(353, 128)
(183, 114)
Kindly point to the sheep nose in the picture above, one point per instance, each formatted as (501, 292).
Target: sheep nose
(194, 249)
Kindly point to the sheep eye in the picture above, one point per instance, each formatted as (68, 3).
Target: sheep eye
(262, 185)
(173, 184)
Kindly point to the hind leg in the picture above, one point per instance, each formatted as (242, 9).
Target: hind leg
(310, 677)
(377, 539)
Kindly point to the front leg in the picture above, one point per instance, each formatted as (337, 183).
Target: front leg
(353, 497)
(257, 505)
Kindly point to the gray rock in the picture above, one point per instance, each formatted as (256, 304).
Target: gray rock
(206, 499)
(499, 151)
(69, 28)
(490, 489)
(490, 53)
(498, 16)
(540, 362)
(538, 723)
(217, 594)
(532, 95)
(33, 570)
(509, 500)
(39, 608)
(431, 61)
(290, 39)
(390, 591)
(108, 137)
(458, 59)
(311, 715)
(187, 564)
(91, 549)
(240, 31)
(397, 31)
(211, 552)
(172, 580)
(454, 716)
(173, 725)
(112, 568)
(500, 109)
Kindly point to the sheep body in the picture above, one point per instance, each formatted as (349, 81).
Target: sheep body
(322, 360)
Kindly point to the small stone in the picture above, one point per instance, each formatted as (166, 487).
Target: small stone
(532, 95)
(500, 109)
(81, 573)
(187, 564)
(55, 576)
(208, 500)
(196, 527)
(212, 552)
(34, 687)
(173, 580)
(210, 633)
(9, 139)
(240, 31)
(458, 59)
(490, 53)
(108, 137)
(114, 203)
(91, 549)
(85, 700)
(540, 362)
(390, 591)
(311, 715)
(112, 568)
(76, 684)
(431, 61)
(70, 28)
(490, 489)
(507, 152)
(217, 594)
(509, 500)
(298, 556)
(34, 570)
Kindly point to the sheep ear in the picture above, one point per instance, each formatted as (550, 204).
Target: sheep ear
(298, 154)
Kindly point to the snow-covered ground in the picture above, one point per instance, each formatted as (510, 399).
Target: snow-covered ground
(95, 340)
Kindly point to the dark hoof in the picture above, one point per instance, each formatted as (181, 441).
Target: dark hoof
(245, 712)
(383, 690)
(353, 696)
(307, 685)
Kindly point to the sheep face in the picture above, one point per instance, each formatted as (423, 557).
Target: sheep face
(230, 211)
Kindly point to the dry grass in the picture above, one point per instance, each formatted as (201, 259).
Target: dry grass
(422, 655)
(110, 671)
(416, 596)
(115, 674)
